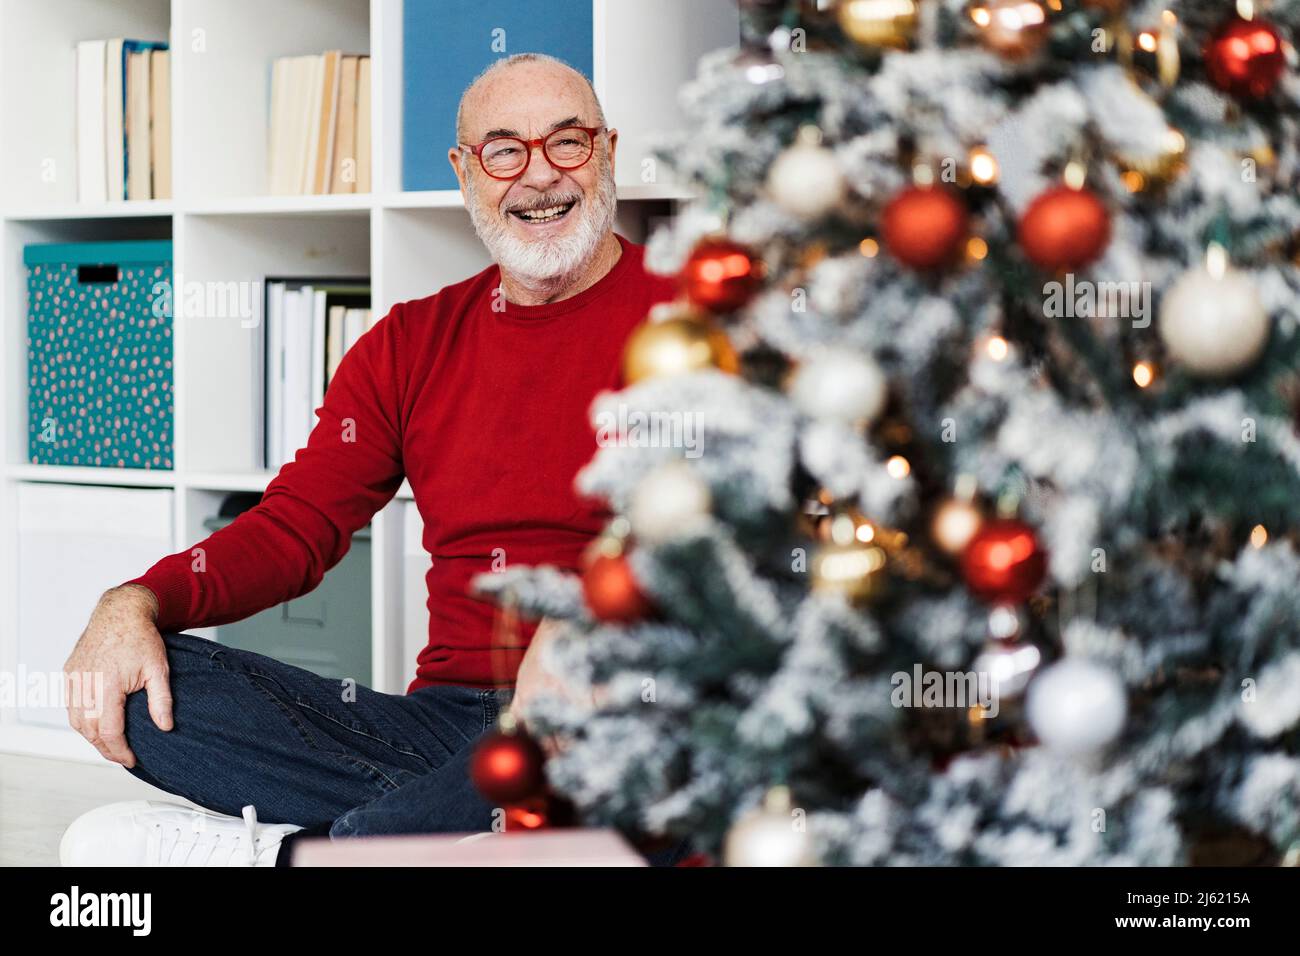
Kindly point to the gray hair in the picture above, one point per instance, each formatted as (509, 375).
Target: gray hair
(504, 64)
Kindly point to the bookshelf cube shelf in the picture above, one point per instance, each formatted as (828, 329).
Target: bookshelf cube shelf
(226, 229)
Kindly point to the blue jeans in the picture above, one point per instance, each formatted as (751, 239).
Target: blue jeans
(310, 750)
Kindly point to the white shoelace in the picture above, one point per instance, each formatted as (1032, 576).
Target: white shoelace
(174, 849)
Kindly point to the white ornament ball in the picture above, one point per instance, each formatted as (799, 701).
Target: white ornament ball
(669, 501)
(772, 835)
(806, 181)
(1076, 707)
(846, 387)
(1214, 326)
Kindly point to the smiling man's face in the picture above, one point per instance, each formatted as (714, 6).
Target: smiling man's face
(548, 222)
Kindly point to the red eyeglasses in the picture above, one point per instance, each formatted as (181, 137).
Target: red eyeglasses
(507, 157)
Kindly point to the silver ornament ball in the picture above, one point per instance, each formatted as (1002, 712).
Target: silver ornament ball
(1076, 707)
(1213, 322)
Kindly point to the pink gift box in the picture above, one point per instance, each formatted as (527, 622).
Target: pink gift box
(542, 848)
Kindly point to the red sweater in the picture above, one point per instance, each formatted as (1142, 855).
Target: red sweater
(484, 411)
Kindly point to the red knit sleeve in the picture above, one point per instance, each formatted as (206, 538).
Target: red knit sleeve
(349, 469)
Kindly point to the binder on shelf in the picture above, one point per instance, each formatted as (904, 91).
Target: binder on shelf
(303, 317)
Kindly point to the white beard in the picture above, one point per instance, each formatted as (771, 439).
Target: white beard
(548, 259)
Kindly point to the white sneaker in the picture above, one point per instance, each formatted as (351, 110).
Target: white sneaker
(148, 833)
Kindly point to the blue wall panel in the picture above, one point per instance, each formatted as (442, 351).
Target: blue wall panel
(446, 43)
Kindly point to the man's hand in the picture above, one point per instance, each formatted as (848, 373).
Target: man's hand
(122, 646)
(533, 679)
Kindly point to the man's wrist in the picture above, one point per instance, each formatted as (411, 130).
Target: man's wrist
(138, 594)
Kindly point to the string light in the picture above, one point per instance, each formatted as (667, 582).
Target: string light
(898, 467)
(869, 247)
(983, 166)
(1216, 260)
(997, 348)
(1075, 175)
(1144, 373)
(1258, 536)
(977, 248)
(1134, 181)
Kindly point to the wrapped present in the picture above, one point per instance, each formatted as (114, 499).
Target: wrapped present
(575, 847)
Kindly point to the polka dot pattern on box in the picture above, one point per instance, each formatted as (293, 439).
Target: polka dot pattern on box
(99, 364)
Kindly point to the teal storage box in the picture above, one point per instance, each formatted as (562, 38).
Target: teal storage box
(99, 354)
(326, 631)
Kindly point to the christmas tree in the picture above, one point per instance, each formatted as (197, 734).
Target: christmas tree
(955, 502)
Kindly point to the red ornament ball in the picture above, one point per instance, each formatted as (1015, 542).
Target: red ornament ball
(507, 768)
(612, 591)
(721, 275)
(1064, 229)
(924, 227)
(1005, 562)
(1245, 58)
(527, 816)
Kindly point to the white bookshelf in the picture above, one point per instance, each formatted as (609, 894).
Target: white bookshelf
(225, 227)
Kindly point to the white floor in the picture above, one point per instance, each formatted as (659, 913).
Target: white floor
(39, 798)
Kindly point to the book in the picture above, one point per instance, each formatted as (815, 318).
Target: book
(123, 120)
(363, 125)
(334, 341)
(304, 69)
(273, 371)
(311, 144)
(329, 105)
(295, 136)
(114, 120)
(343, 175)
(139, 150)
(297, 409)
(117, 89)
(92, 174)
(355, 324)
(275, 146)
(319, 136)
(160, 104)
(319, 311)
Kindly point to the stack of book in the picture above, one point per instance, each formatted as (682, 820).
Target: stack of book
(124, 135)
(310, 324)
(320, 124)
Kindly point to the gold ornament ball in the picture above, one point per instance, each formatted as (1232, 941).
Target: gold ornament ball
(682, 343)
(848, 525)
(1012, 28)
(1157, 170)
(854, 570)
(888, 24)
(954, 523)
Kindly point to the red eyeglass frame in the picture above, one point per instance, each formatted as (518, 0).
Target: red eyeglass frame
(529, 144)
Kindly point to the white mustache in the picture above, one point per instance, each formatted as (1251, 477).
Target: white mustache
(544, 202)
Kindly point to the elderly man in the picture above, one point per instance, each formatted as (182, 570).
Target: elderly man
(478, 395)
